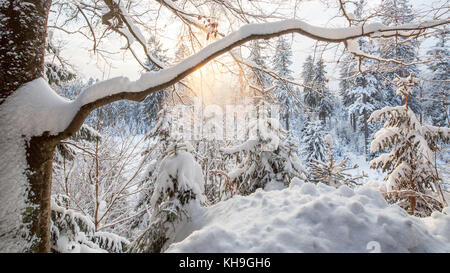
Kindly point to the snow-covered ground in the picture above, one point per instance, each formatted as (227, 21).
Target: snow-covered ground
(312, 218)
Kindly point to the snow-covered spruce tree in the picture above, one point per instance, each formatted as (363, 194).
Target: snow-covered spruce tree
(394, 13)
(153, 103)
(325, 103)
(72, 231)
(413, 182)
(310, 97)
(331, 172)
(348, 69)
(257, 76)
(313, 141)
(266, 155)
(366, 99)
(437, 89)
(362, 92)
(342, 129)
(159, 139)
(178, 187)
(285, 92)
(69, 228)
(316, 94)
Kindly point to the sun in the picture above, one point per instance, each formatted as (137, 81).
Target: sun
(217, 82)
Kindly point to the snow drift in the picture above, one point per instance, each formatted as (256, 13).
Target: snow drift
(312, 218)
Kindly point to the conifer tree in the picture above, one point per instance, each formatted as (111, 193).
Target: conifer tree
(436, 94)
(413, 180)
(316, 94)
(158, 139)
(73, 232)
(179, 185)
(266, 156)
(397, 12)
(310, 97)
(331, 172)
(349, 65)
(258, 77)
(313, 137)
(285, 91)
(366, 99)
(153, 103)
(325, 103)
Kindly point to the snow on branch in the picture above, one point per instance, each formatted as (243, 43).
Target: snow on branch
(122, 88)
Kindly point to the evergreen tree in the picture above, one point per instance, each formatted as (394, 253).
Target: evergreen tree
(285, 91)
(159, 139)
(313, 141)
(316, 94)
(73, 232)
(348, 69)
(179, 185)
(363, 93)
(153, 102)
(397, 12)
(412, 177)
(258, 77)
(331, 172)
(436, 93)
(366, 99)
(325, 104)
(57, 71)
(266, 155)
(310, 97)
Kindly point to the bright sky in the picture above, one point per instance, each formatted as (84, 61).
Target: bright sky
(313, 12)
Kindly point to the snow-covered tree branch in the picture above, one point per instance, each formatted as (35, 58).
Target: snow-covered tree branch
(41, 130)
(121, 88)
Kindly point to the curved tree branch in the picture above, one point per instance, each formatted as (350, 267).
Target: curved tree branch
(121, 88)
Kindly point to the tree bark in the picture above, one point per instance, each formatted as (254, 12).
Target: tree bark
(23, 31)
(40, 152)
(353, 122)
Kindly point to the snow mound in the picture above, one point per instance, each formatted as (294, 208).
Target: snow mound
(313, 218)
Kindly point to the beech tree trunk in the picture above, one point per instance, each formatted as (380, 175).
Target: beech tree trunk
(22, 44)
(23, 31)
(40, 163)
